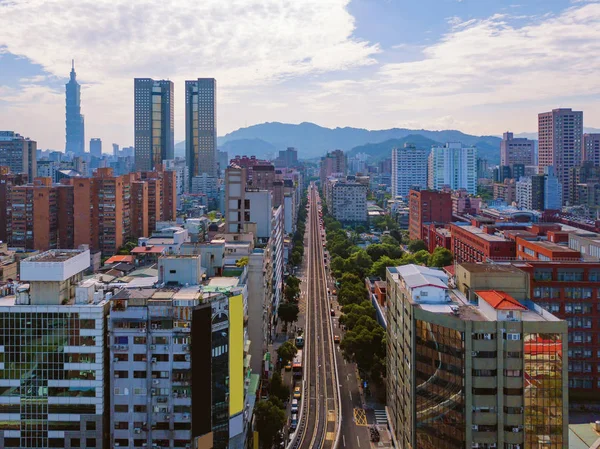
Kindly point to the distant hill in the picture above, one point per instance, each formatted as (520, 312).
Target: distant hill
(383, 150)
(257, 147)
(314, 140)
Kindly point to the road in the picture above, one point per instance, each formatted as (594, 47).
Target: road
(320, 417)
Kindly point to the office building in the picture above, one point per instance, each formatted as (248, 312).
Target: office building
(75, 128)
(560, 134)
(454, 166)
(347, 200)
(491, 373)
(201, 126)
(516, 150)
(116, 152)
(409, 169)
(54, 357)
(553, 191)
(427, 206)
(18, 153)
(96, 147)
(154, 122)
(288, 158)
(591, 148)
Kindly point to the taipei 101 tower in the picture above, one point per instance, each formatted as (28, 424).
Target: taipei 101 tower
(75, 135)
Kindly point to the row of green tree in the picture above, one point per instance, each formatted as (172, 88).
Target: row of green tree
(364, 340)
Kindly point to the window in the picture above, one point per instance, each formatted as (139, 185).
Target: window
(512, 336)
(121, 408)
(512, 373)
(484, 391)
(90, 425)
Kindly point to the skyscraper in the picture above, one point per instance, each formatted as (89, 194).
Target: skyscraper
(75, 140)
(591, 148)
(96, 147)
(453, 165)
(409, 169)
(560, 134)
(18, 153)
(154, 132)
(201, 126)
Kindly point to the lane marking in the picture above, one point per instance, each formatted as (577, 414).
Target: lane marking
(358, 440)
(344, 440)
(360, 417)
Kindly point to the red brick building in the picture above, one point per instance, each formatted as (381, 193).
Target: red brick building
(571, 291)
(473, 244)
(435, 235)
(428, 206)
(545, 250)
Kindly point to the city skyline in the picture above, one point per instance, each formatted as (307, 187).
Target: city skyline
(346, 59)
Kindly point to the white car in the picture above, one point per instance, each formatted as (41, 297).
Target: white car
(294, 406)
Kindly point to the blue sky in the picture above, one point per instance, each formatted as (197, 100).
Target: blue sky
(481, 66)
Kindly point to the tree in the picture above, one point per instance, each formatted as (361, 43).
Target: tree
(277, 388)
(379, 268)
(292, 281)
(416, 245)
(288, 312)
(421, 257)
(242, 262)
(286, 352)
(270, 419)
(360, 229)
(378, 250)
(365, 346)
(441, 257)
(291, 294)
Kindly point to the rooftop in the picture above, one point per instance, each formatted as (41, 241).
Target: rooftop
(481, 234)
(54, 255)
(500, 300)
(489, 268)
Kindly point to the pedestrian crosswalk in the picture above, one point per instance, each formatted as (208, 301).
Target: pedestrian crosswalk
(381, 417)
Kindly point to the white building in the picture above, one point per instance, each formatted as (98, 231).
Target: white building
(178, 165)
(180, 270)
(524, 192)
(454, 166)
(347, 200)
(54, 375)
(409, 169)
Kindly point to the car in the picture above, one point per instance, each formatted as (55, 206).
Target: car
(336, 339)
(334, 292)
(294, 422)
(332, 312)
(297, 393)
(288, 367)
(294, 406)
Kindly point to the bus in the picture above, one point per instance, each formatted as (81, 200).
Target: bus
(299, 341)
(297, 364)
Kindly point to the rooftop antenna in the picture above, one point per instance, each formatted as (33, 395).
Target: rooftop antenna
(72, 64)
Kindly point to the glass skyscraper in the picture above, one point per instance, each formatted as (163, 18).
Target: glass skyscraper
(154, 123)
(75, 135)
(201, 126)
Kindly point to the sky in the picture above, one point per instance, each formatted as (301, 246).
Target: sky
(480, 66)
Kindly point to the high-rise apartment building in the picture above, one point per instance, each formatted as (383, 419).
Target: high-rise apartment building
(201, 126)
(560, 134)
(18, 153)
(167, 391)
(75, 129)
(516, 150)
(347, 200)
(96, 147)
(486, 373)
(154, 137)
(334, 163)
(427, 206)
(115, 147)
(409, 169)
(591, 148)
(54, 357)
(453, 165)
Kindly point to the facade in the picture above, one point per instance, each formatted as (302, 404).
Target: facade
(560, 134)
(154, 137)
(428, 206)
(464, 203)
(179, 166)
(569, 290)
(347, 200)
(489, 374)
(409, 169)
(206, 184)
(96, 147)
(201, 126)
(538, 248)
(516, 150)
(75, 125)
(454, 166)
(55, 376)
(505, 191)
(18, 153)
(591, 148)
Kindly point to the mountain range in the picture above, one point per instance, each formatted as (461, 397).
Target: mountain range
(313, 141)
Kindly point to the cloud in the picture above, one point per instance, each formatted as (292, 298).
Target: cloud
(242, 43)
